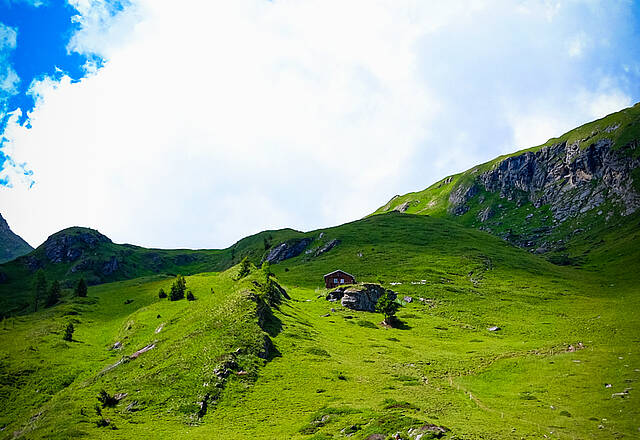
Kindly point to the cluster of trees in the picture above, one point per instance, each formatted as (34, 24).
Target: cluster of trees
(177, 291)
(53, 293)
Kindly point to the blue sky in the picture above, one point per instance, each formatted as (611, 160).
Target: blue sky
(193, 124)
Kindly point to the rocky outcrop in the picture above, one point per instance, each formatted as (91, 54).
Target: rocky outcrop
(570, 179)
(458, 198)
(11, 245)
(286, 250)
(110, 266)
(360, 297)
(325, 247)
(69, 245)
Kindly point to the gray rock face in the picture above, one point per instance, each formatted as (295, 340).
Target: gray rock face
(66, 247)
(361, 297)
(485, 214)
(287, 250)
(110, 266)
(403, 207)
(458, 198)
(326, 247)
(569, 179)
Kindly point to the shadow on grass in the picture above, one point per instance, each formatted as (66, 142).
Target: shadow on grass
(398, 324)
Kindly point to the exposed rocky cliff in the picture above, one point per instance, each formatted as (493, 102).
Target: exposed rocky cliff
(11, 245)
(567, 178)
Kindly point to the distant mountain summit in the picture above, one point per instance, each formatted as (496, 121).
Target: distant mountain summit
(11, 245)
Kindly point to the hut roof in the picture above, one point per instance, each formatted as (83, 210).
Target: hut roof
(339, 270)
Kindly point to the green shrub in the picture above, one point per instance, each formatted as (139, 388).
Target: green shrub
(106, 399)
(388, 307)
(68, 332)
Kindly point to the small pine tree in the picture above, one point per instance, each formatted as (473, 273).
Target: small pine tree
(68, 332)
(388, 307)
(106, 399)
(266, 269)
(39, 289)
(271, 293)
(54, 294)
(190, 296)
(81, 288)
(162, 293)
(245, 268)
(178, 288)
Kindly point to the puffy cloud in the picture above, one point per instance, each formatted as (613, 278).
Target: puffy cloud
(214, 120)
(8, 77)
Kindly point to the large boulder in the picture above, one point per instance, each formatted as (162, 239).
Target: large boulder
(359, 297)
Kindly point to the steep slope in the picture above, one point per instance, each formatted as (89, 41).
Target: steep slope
(540, 198)
(76, 253)
(11, 244)
(154, 356)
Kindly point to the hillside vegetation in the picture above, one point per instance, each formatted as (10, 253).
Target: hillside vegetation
(76, 253)
(332, 372)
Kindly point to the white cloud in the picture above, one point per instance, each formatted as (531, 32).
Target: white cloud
(9, 79)
(213, 120)
(576, 45)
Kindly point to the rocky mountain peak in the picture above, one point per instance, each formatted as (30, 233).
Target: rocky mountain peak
(11, 244)
(70, 244)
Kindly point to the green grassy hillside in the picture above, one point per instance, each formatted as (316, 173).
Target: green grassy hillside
(564, 333)
(76, 253)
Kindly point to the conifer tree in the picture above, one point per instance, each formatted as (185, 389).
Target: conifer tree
(54, 294)
(266, 269)
(81, 288)
(162, 293)
(39, 289)
(68, 332)
(388, 307)
(245, 267)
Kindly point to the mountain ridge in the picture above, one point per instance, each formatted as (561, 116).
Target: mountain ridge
(11, 244)
(538, 197)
